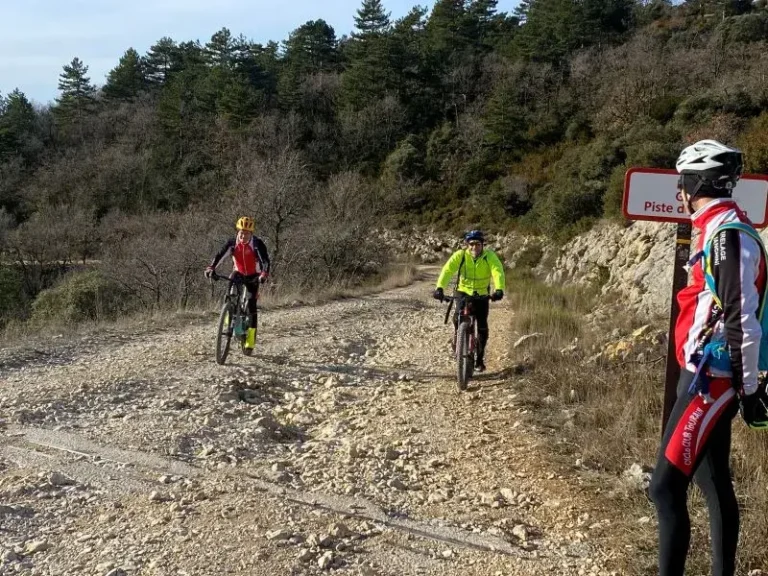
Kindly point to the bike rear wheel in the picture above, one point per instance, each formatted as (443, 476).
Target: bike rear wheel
(464, 359)
(224, 333)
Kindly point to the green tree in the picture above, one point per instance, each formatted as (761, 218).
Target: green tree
(310, 49)
(260, 66)
(17, 126)
(372, 19)
(220, 49)
(416, 81)
(161, 61)
(126, 80)
(369, 75)
(553, 29)
(505, 115)
(77, 98)
(448, 30)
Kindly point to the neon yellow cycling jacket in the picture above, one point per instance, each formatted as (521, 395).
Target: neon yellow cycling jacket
(476, 273)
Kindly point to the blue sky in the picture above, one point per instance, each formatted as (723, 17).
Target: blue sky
(38, 37)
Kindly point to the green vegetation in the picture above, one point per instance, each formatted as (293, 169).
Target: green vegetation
(459, 116)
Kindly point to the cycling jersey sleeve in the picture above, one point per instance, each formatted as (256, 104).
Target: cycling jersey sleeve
(261, 250)
(497, 271)
(228, 246)
(449, 269)
(735, 265)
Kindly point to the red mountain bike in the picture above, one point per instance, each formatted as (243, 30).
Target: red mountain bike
(466, 338)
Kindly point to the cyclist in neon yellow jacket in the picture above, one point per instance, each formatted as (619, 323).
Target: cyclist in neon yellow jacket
(476, 267)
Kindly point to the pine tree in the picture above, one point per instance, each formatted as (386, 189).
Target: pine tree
(19, 114)
(483, 23)
(220, 50)
(371, 19)
(448, 29)
(310, 49)
(126, 80)
(554, 29)
(18, 128)
(161, 61)
(369, 75)
(416, 81)
(77, 94)
(505, 119)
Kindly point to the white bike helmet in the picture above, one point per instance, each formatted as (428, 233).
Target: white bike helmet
(715, 168)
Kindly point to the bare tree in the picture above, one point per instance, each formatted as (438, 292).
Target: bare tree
(159, 259)
(333, 242)
(276, 190)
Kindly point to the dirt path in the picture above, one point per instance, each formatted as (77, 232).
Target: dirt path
(340, 446)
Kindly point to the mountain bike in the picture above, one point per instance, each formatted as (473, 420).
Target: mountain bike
(234, 319)
(466, 338)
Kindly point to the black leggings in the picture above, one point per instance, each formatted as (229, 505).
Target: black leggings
(480, 308)
(697, 444)
(251, 284)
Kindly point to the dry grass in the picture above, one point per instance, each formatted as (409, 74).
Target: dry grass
(550, 310)
(32, 334)
(608, 414)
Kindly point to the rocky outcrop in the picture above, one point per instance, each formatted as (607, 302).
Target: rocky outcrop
(631, 264)
(430, 247)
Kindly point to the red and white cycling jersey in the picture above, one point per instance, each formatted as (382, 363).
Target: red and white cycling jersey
(249, 258)
(739, 270)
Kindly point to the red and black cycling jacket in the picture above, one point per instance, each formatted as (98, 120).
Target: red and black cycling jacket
(739, 271)
(249, 258)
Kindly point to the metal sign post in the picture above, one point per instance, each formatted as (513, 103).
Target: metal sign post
(649, 194)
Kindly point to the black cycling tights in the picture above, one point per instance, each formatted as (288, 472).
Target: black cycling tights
(697, 443)
(251, 284)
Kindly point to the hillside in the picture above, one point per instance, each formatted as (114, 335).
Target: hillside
(456, 117)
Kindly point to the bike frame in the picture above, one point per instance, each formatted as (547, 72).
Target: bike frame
(235, 318)
(237, 295)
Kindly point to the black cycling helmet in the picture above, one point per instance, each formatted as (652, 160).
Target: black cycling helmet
(474, 235)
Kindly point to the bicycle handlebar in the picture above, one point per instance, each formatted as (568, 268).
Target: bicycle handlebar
(239, 279)
(467, 297)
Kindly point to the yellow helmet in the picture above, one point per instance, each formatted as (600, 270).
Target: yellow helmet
(245, 223)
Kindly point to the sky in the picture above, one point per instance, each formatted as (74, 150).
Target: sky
(38, 37)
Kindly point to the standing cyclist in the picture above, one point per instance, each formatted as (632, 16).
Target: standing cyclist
(718, 333)
(250, 262)
(475, 267)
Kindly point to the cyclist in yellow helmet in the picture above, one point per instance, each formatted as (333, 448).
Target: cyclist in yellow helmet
(250, 260)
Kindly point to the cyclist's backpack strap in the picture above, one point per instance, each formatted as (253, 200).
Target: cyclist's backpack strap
(461, 265)
(710, 281)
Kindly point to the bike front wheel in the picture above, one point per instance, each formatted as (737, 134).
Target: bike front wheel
(463, 357)
(224, 333)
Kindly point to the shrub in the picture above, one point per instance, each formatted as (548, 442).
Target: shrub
(79, 297)
(615, 193)
(754, 143)
(12, 299)
(743, 29)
